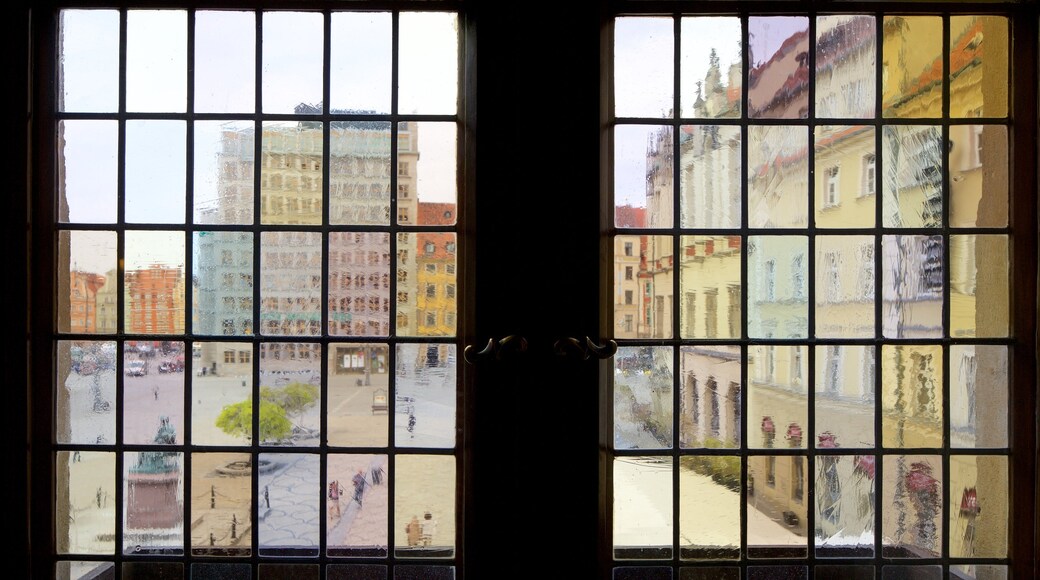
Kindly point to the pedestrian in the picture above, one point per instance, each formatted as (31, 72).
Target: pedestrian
(359, 486)
(100, 494)
(412, 531)
(267, 498)
(428, 528)
(334, 492)
(76, 457)
(155, 392)
(411, 424)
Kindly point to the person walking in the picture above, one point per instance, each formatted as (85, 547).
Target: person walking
(412, 531)
(428, 528)
(267, 498)
(359, 486)
(334, 492)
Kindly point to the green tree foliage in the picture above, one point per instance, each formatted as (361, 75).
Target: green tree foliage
(295, 398)
(237, 419)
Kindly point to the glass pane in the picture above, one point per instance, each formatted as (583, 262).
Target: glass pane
(778, 402)
(911, 573)
(87, 171)
(85, 401)
(85, 503)
(777, 291)
(642, 507)
(710, 287)
(428, 61)
(979, 275)
(153, 501)
(88, 78)
(293, 63)
(845, 286)
(643, 397)
(359, 406)
(628, 283)
(88, 305)
(776, 525)
(709, 176)
(710, 396)
(778, 573)
(978, 165)
(699, 573)
(427, 299)
(710, 60)
(153, 570)
(425, 395)
(221, 572)
(222, 393)
(912, 286)
(223, 179)
(843, 573)
(359, 283)
(223, 283)
(912, 182)
(356, 524)
(290, 394)
(912, 67)
(844, 508)
(225, 57)
(644, 50)
(978, 506)
(844, 399)
(153, 282)
(846, 53)
(911, 382)
(709, 491)
(156, 61)
(642, 573)
(424, 506)
(778, 85)
(643, 176)
(155, 171)
(978, 395)
(222, 492)
(778, 176)
(356, 572)
(911, 513)
(424, 573)
(287, 506)
(359, 174)
(846, 176)
(359, 72)
(153, 392)
(290, 177)
(290, 283)
(289, 571)
(978, 572)
(427, 168)
(979, 81)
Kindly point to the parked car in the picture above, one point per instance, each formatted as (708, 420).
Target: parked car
(136, 368)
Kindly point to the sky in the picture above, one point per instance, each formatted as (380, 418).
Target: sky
(225, 49)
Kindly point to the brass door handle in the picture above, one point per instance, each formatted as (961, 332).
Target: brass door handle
(570, 346)
(496, 349)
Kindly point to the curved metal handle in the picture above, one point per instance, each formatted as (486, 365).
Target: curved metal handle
(569, 345)
(508, 346)
(605, 351)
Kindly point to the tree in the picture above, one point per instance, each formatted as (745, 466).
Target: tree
(295, 398)
(237, 419)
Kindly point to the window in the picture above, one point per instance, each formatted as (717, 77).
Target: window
(449, 291)
(628, 272)
(628, 248)
(519, 221)
(869, 175)
(831, 191)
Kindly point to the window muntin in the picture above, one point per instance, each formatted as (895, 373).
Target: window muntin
(310, 221)
(905, 318)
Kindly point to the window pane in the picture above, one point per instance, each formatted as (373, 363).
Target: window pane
(360, 68)
(911, 400)
(222, 393)
(425, 396)
(359, 403)
(156, 61)
(776, 501)
(356, 488)
(911, 514)
(89, 61)
(711, 67)
(643, 53)
(710, 396)
(777, 291)
(641, 188)
(153, 394)
(290, 283)
(89, 306)
(778, 176)
(222, 492)
(424, 506)
(978, 74)
(844, 397)
(85, 514)
(225, 57)
(287, 506)
(709, 176)
(777, 81)
(291, 177)
(642, 507)
(359, 174)
(978, 166)
(290, 395)
(428, 49)
(978, 506)
(845, 286)
(643, 398)
(87, 160)
(979, 267)
(912, 67)
(427, 170)
(153, 501)
(709, 491)
(912, 186)
(223, 180)
(292, 62)
(153, 282)
(978, 395)
(778, 402)
(846, 176)
(844, 508)
(846, 52)
(155, 171)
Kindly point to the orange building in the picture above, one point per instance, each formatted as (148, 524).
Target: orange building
(83, 289)
(154, 300)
